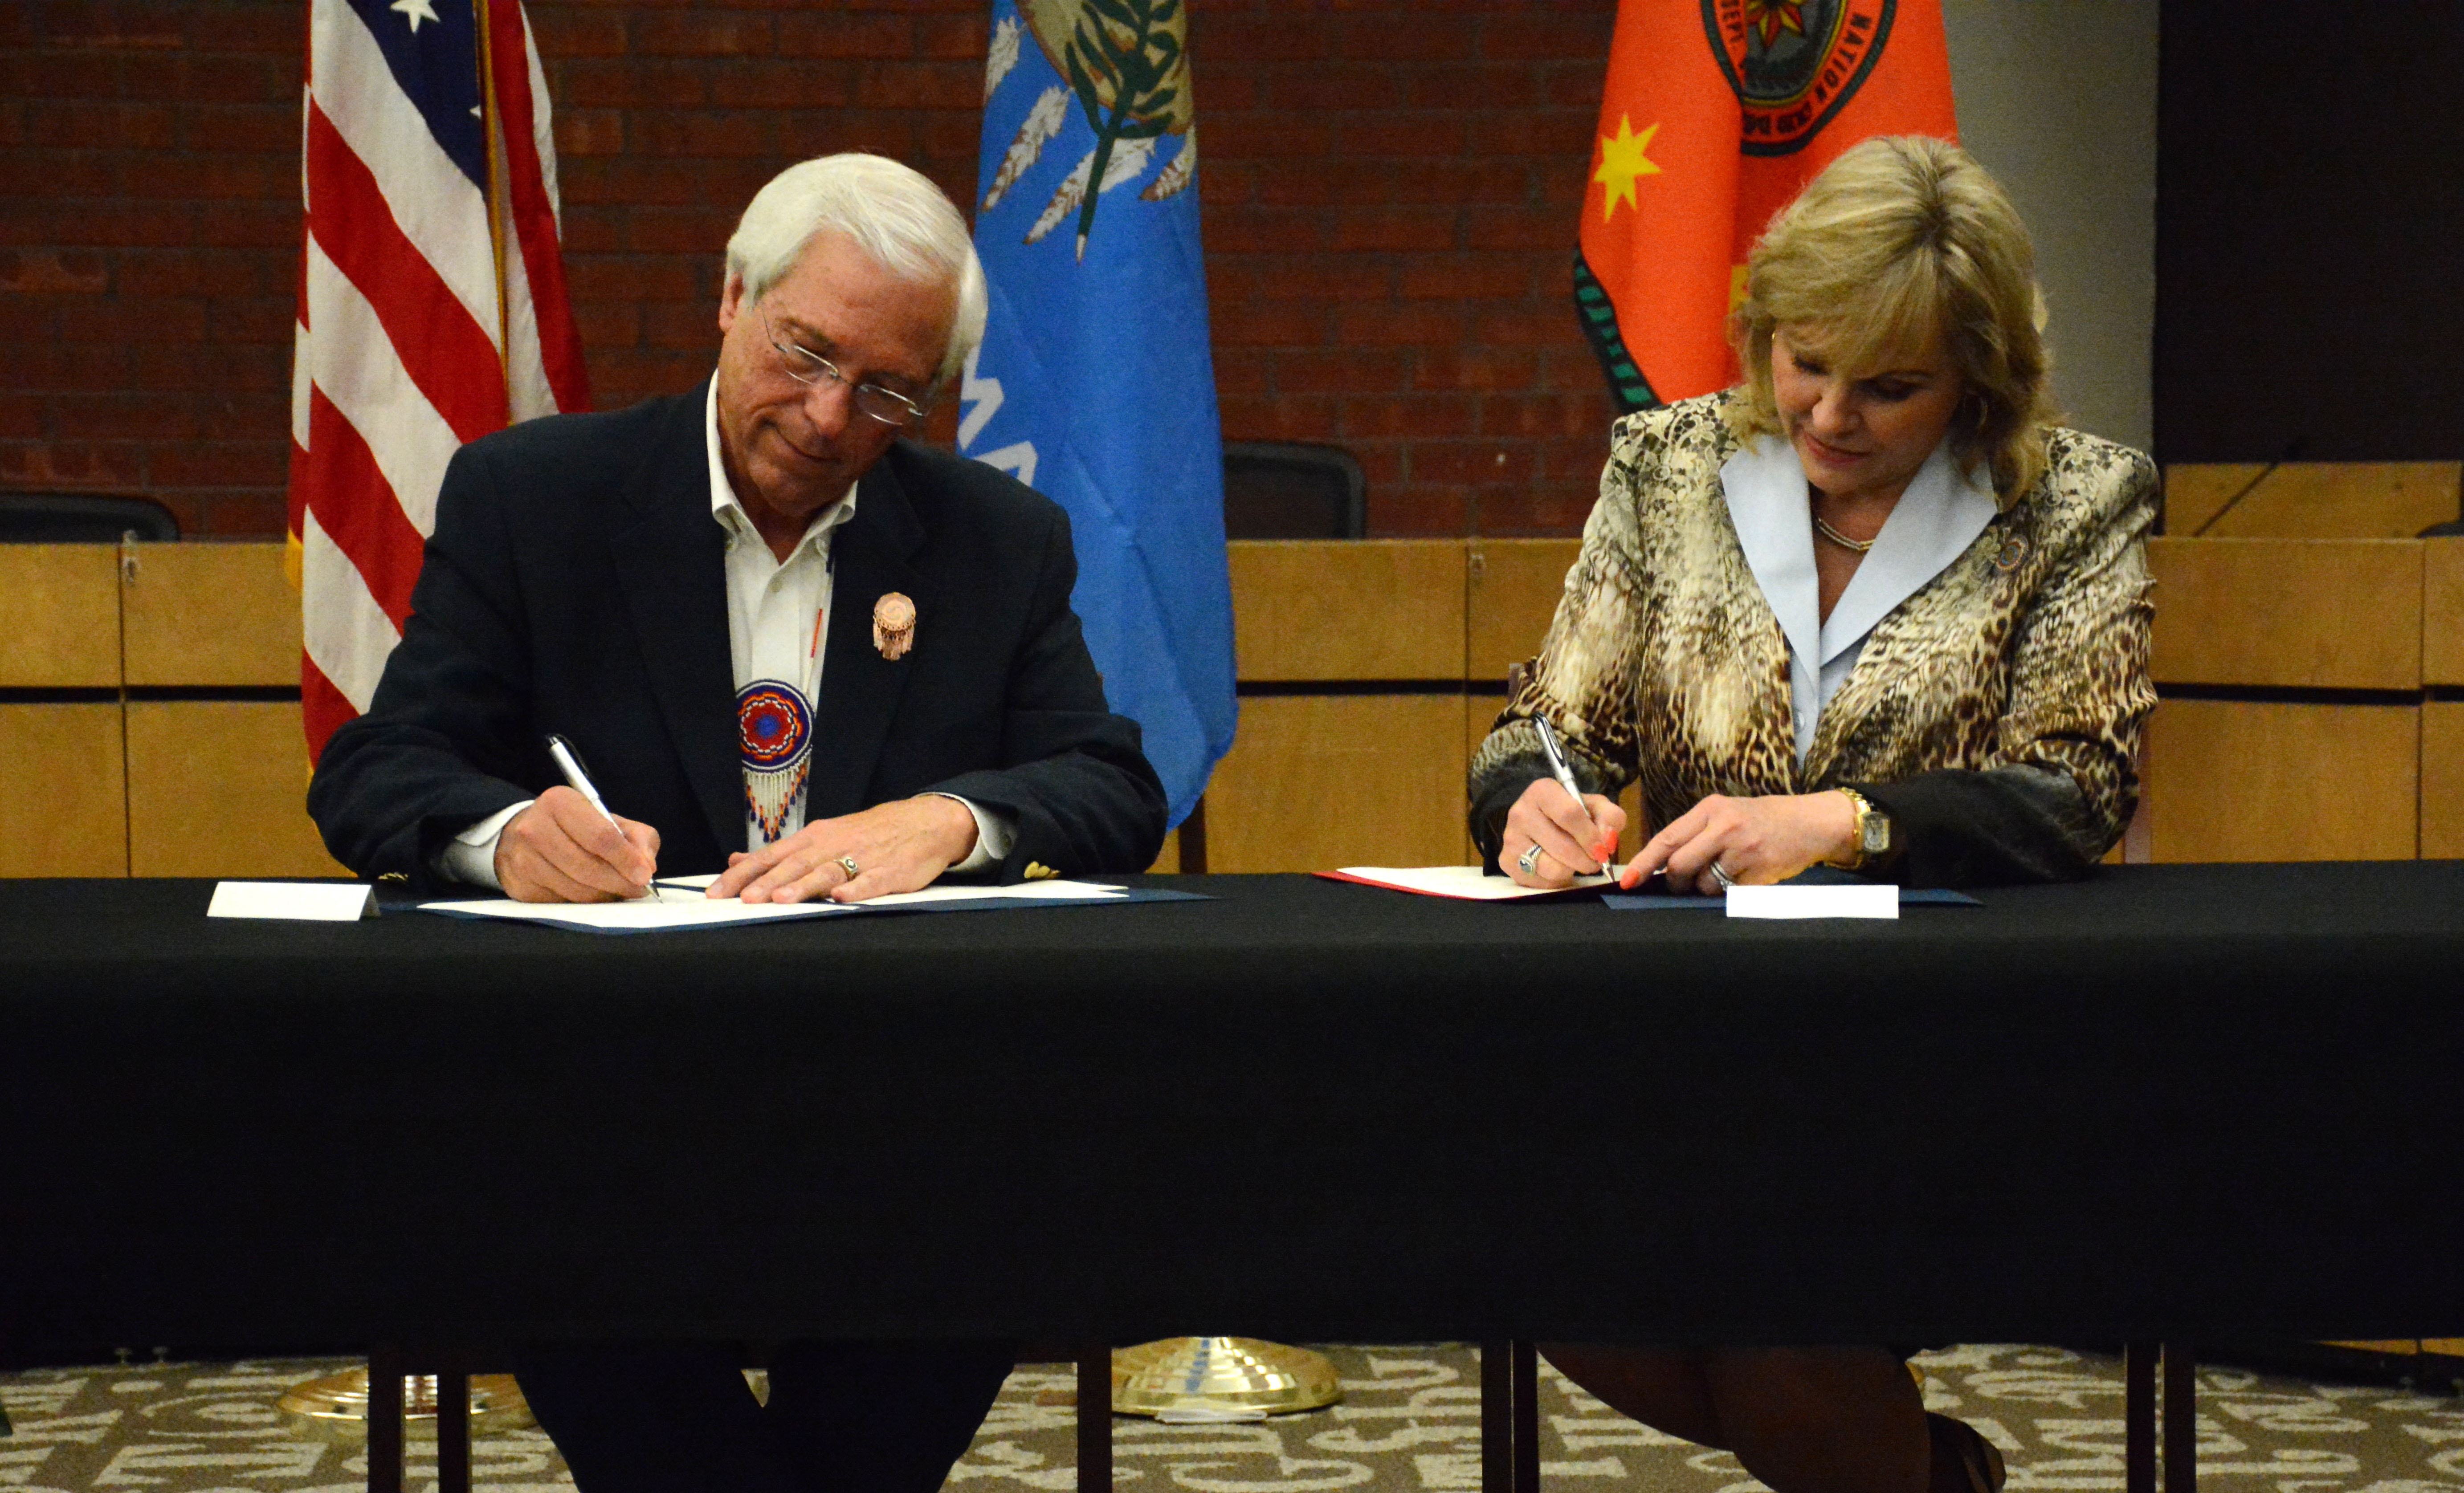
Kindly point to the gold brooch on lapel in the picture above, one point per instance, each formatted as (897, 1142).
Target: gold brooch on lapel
(2014, 551)
(1037, 871)
(894, 625)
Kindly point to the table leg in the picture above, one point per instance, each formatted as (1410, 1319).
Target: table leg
(1094, 1417)
(2181, 1420)
(384, 1420)
(1497, 1417)
(2139, 1417)
(453, 1426)
(1527, 1418)
(1509, 1417)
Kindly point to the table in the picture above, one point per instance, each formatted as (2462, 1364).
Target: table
(2192, 1102)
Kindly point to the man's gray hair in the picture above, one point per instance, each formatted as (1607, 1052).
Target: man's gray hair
(894, 212)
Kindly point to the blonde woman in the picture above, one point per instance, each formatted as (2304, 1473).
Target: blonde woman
(1869, 608)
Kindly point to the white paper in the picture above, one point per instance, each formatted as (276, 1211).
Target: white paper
(1024, 891)
(1020, 891)
(678, 902)
(640, 916)
(1877, 901)
(311, 902)
(1467, 882)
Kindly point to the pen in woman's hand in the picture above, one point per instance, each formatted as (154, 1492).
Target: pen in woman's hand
(1565, 777)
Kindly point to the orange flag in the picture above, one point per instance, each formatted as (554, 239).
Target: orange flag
(1716, 112)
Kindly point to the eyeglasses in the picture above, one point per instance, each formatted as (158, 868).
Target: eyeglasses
(872, 399)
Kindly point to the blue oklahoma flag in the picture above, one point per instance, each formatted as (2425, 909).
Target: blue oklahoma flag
(1095, 383)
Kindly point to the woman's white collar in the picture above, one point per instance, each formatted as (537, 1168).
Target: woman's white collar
(1934, 522)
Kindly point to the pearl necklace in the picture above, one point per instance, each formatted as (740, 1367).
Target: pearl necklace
(1859, 546)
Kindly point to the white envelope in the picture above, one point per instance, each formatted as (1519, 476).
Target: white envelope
(1818, 901)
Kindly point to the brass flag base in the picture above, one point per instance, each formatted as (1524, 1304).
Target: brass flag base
(339, 1401)
(1220, 1378)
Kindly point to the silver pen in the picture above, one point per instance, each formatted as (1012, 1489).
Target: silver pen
(1565, 777)
(569, 762)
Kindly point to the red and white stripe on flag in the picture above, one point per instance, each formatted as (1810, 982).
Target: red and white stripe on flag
(433, 306)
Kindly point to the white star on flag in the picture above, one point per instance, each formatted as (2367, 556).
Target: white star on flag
(415, 11)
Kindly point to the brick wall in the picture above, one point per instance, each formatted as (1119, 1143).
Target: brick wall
(149, 167)
(1390, 191)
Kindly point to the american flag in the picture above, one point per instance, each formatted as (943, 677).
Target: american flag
(433, 306)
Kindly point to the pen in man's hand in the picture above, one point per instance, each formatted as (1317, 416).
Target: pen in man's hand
(569, 762)
(1565, 777)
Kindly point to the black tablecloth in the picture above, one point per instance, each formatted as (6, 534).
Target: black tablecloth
(2203, 1102)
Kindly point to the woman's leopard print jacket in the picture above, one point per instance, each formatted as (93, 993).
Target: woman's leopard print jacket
(1995, 714)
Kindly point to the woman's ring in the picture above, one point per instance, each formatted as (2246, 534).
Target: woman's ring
(1530, 861)
(1720, 874)
(847, 864)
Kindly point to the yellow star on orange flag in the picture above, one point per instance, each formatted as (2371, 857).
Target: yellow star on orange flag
(1622, 163)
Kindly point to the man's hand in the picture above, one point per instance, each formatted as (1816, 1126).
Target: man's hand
(895, 846)
(560, 849)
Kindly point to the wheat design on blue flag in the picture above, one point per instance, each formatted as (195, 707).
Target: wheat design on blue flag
(1095, 383)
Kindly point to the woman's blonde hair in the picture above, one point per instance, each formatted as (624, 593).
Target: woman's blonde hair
(1900, 236)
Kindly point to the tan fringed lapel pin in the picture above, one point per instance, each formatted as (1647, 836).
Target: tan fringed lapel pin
(894, 625)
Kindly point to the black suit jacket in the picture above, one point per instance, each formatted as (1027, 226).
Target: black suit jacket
(576, 584)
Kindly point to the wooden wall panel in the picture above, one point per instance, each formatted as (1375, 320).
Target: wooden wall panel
(1479, 714)
(2442, 611)
(1332, 610)
(219, 788)
(1317, 781)
(2312, 499)
(211, 614)
(1514, 586)
(2252, 781)
(63, 796)
(2308, 614)
(59, 616)
(2442, 780)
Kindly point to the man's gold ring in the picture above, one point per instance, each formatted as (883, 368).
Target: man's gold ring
(847, 864)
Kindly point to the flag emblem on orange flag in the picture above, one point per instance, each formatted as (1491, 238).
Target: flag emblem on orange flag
(1715, 113)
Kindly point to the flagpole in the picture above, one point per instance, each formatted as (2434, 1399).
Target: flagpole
(490, 1401)
(489, 128)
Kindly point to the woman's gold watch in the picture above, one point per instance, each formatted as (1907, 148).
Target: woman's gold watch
(1872, 841)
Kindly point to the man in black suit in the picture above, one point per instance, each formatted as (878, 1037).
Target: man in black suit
(793, 648)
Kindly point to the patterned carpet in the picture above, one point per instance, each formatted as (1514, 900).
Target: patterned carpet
(1409, 1422)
